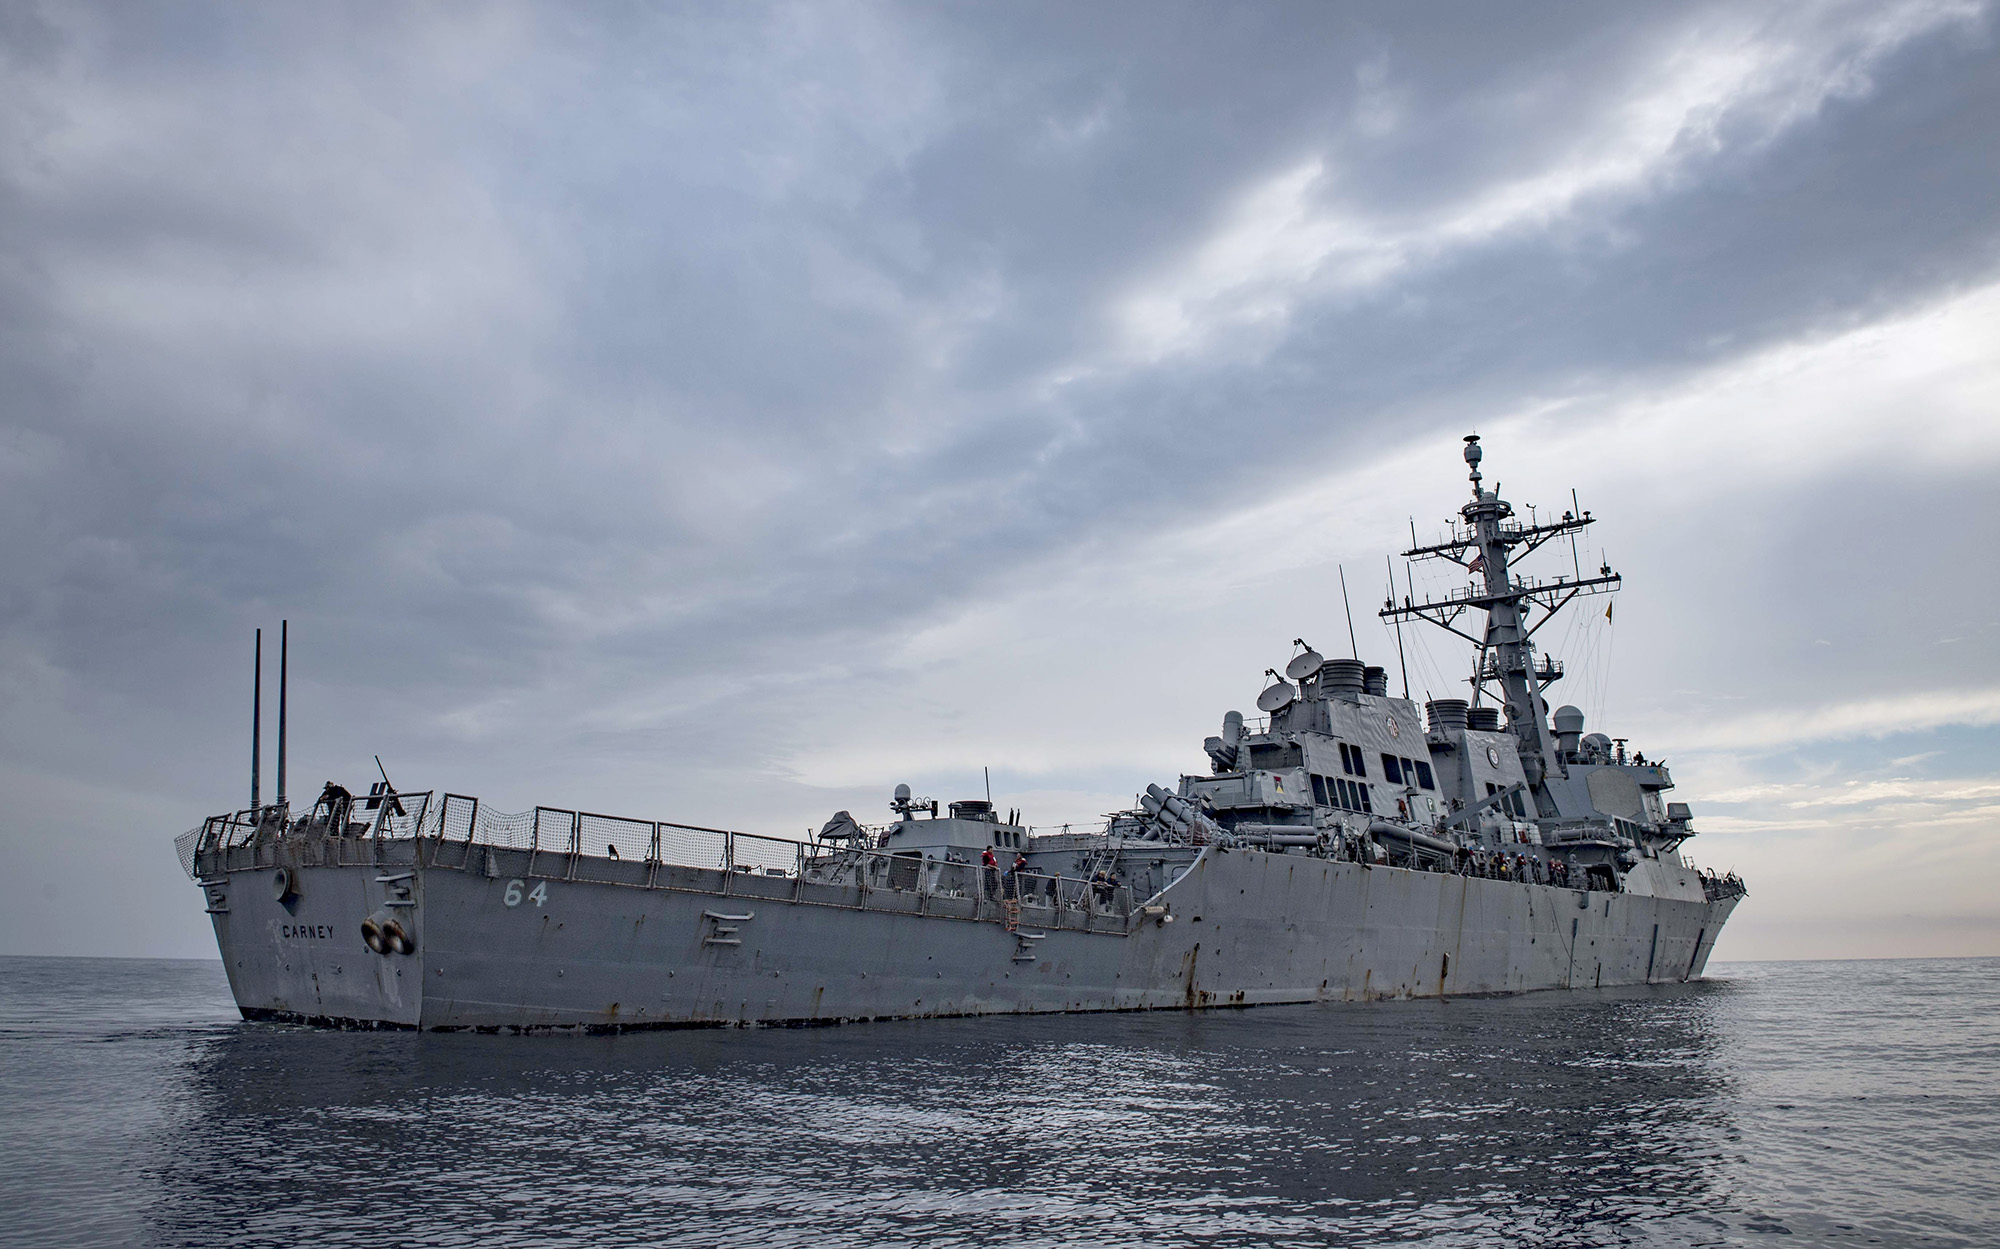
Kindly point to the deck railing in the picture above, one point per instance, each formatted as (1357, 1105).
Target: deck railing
(584, 845)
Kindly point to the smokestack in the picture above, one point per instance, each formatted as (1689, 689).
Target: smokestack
(284, 656)
(1342, 678)
(1447, 714)
(257, 724)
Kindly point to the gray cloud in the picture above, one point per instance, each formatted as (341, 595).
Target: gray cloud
(602, 392)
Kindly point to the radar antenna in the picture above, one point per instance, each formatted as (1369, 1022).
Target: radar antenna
(1276, 696)
(1305, 664)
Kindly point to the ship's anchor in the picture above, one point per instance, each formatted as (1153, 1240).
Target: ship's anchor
(383, 933)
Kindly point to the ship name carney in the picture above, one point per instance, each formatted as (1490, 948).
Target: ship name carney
(305, 932)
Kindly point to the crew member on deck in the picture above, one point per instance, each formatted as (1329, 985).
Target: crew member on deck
(1013, 882)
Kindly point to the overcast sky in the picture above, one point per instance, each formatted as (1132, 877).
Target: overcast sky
(723, 414)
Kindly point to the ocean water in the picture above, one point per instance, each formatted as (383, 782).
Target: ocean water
(1777, 1103)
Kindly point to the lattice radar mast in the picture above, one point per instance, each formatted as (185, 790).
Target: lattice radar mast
(1485, 545)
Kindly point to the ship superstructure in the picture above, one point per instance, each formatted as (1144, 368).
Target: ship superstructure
(1344, 845)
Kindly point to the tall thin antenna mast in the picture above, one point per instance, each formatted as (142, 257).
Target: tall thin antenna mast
(1400, 660)
(1486, 540)
(284, 665)
(257, 724)
(988, 774)
(1354, 647)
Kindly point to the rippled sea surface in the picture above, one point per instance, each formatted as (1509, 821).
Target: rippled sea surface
(1821, 1103)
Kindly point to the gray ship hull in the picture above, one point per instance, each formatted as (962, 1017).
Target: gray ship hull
(1340, 849)
(503, 941)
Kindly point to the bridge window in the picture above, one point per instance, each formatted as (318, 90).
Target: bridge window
(1512, 802)
(1277, 758)
(1352, 761)
(1319, 790)
(1349, 795)
(1391, 769)
(1424, 775)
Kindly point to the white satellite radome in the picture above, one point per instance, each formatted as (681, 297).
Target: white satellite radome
(1303, 666)
(906, 806)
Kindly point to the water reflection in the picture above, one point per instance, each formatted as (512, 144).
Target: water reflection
(1551, 1119)
(1828, 1103)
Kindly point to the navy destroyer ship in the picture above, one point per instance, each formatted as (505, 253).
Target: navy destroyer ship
(1343, 845)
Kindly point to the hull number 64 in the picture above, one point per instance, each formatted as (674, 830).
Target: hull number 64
(538, 895)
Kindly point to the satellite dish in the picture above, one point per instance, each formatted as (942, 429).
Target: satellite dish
(1276, 698)
(1303, 666)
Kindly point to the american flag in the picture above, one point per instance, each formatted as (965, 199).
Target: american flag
(1478, 563)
